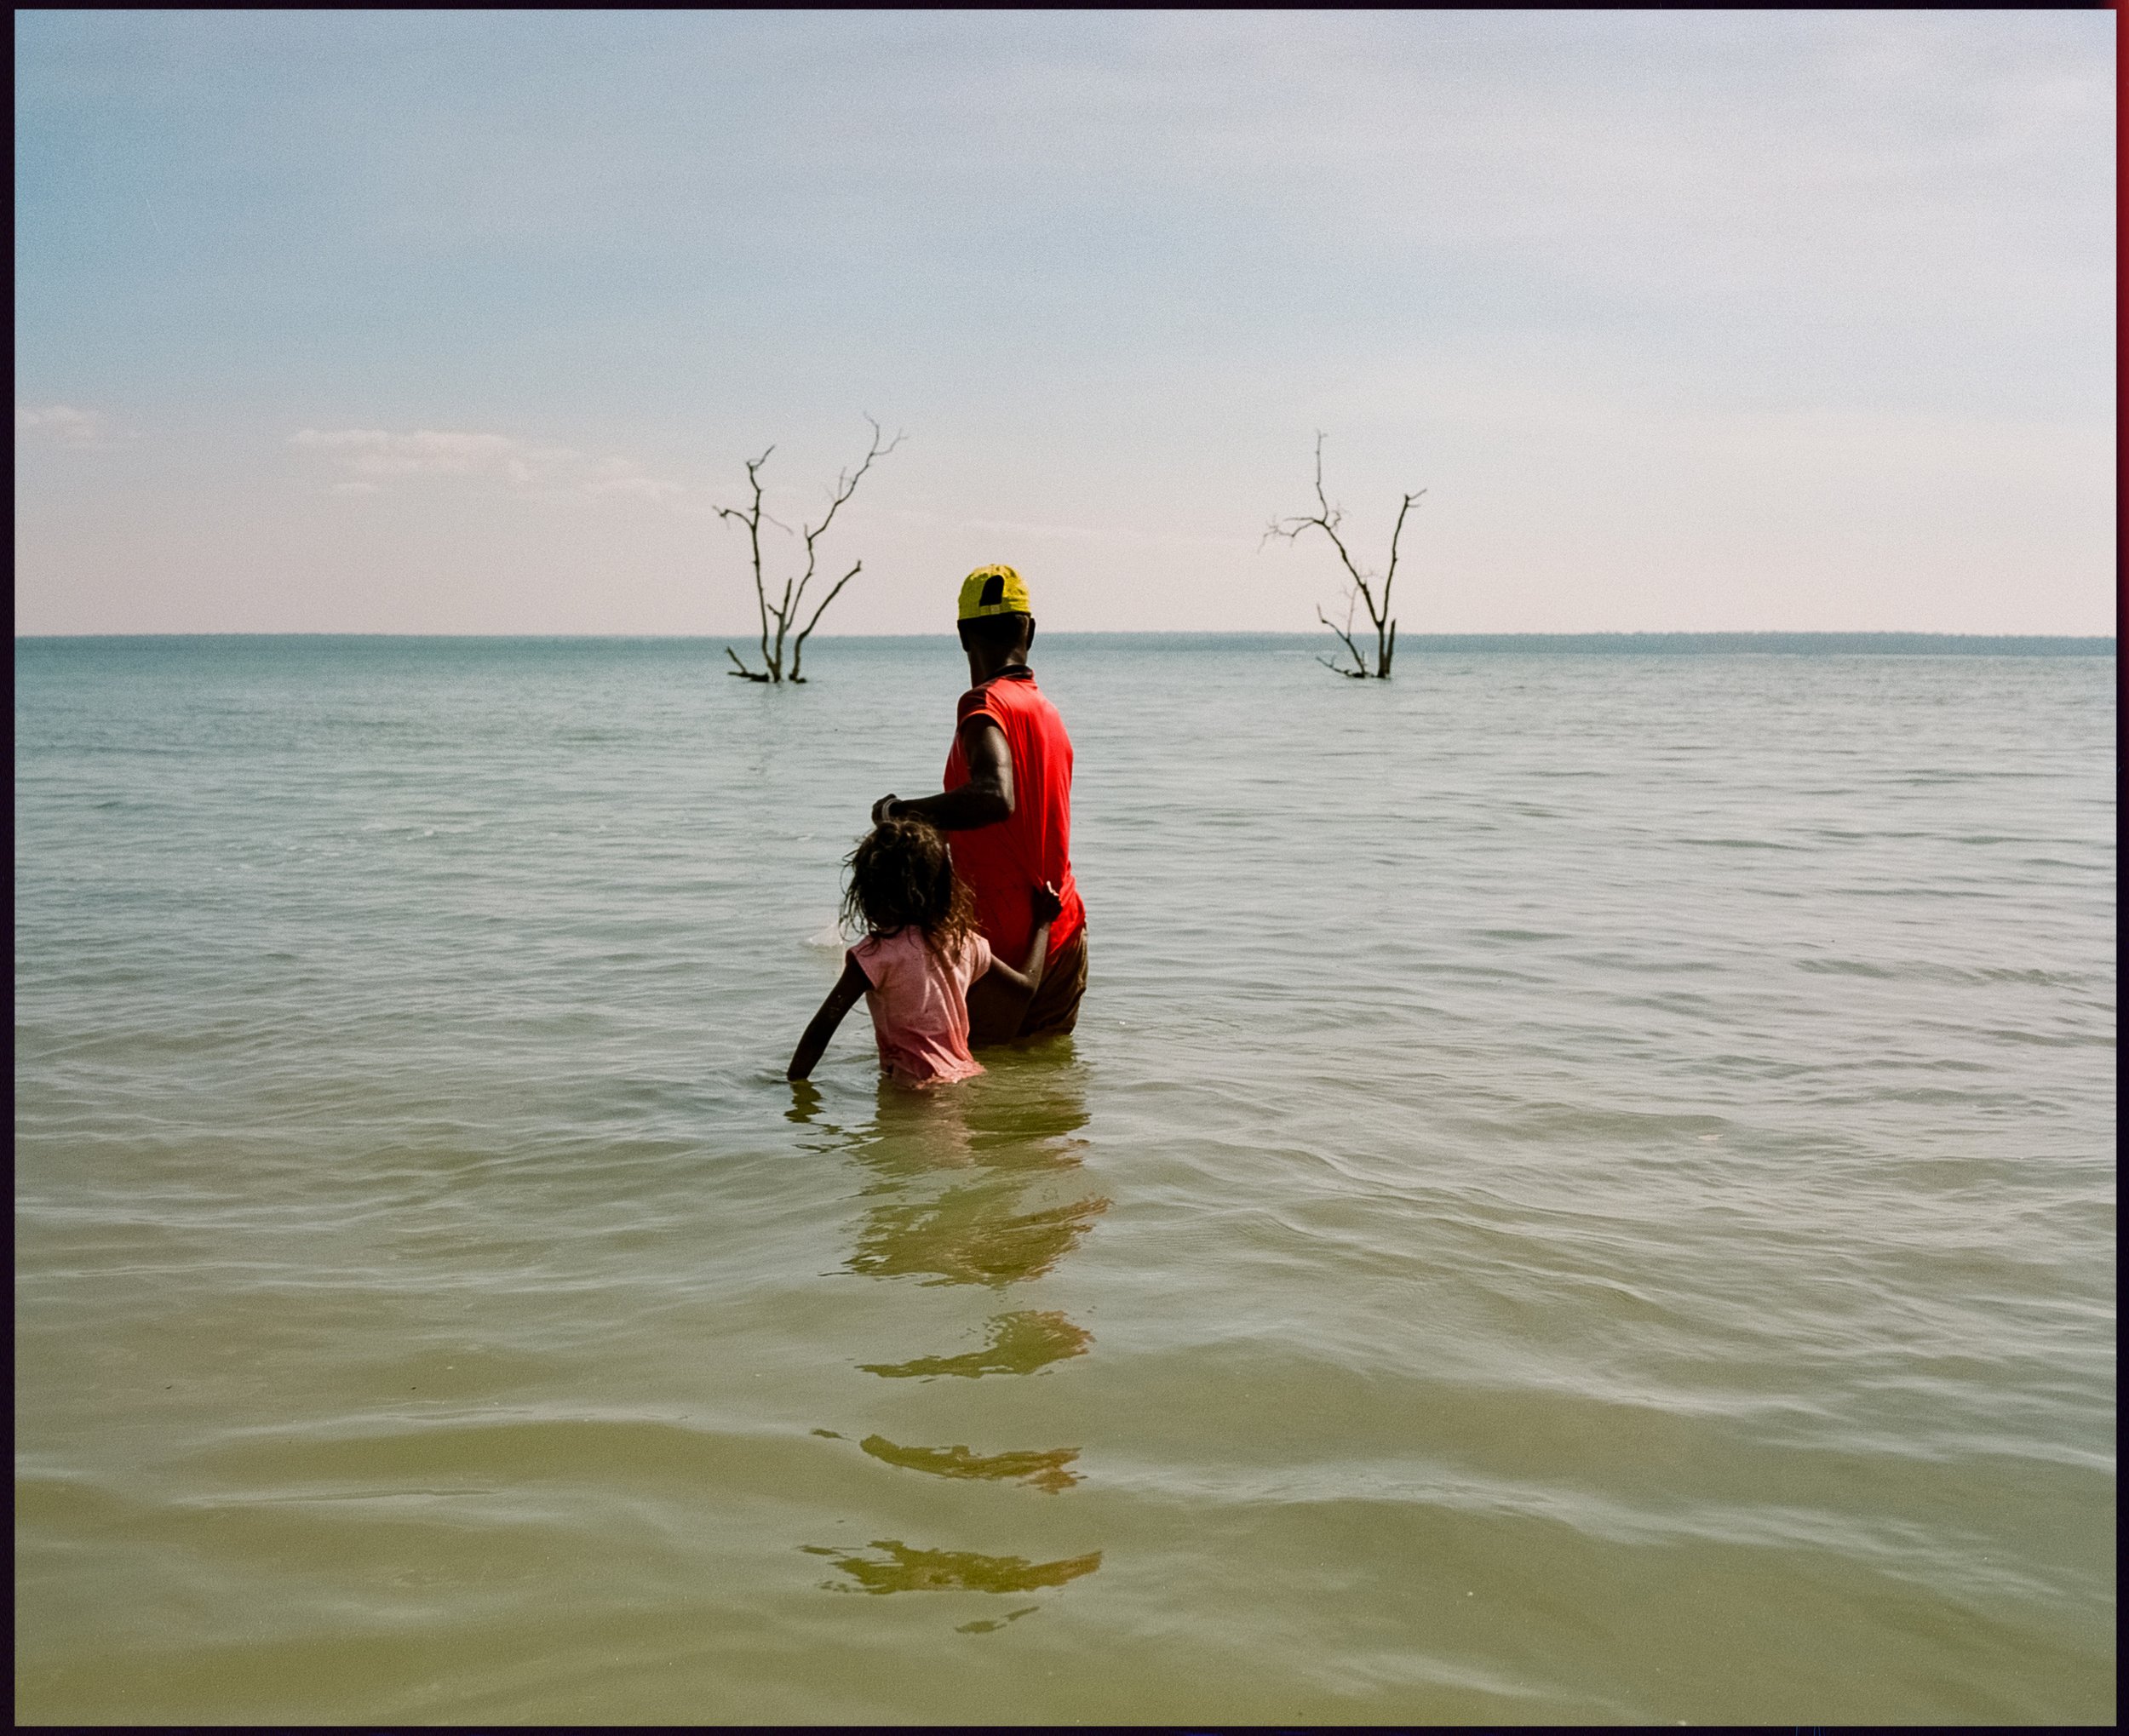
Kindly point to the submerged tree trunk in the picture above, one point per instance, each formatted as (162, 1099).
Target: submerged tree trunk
(1360, 591)
(790, 606)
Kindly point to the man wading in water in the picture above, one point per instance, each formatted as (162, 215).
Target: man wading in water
(1007, 811)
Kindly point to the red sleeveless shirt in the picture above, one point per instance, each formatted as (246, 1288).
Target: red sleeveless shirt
(1005, 862)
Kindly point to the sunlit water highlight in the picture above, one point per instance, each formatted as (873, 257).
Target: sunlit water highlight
(1582, 1192)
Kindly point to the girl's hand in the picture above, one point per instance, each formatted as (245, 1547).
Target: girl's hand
(1047, 905)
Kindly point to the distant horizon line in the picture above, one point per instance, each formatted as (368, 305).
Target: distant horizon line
(1458, 640)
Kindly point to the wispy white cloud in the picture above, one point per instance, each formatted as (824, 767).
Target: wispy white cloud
(64, 425)
(369, 458)
(617, 476)
(1661, 307)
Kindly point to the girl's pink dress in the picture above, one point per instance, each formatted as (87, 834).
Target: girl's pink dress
(919, 1007)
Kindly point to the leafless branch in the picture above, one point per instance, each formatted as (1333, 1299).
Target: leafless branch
(1327, 518)
(751, 518)
(1387, 643)
(791, 603)
(845, 486)
(1343, 632)
(798, 644)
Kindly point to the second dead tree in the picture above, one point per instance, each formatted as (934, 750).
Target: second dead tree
(1360, 591)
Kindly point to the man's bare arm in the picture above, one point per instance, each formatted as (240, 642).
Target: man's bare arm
(986, 799)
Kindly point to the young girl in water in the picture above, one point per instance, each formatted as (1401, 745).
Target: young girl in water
(920, 953)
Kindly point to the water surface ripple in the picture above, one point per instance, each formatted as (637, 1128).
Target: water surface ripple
(1583, 1193)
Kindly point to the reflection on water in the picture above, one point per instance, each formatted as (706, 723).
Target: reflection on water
(976, 1184)
(969, 1236)
(1019, 1343)
(1039, 1470)
(992, 1627)
(907, 1569)
(1004, 1222)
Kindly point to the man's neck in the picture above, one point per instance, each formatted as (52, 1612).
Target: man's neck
(987, 665)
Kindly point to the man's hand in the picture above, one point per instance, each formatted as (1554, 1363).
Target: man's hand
(986, 800)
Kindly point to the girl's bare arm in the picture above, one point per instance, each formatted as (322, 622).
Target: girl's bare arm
(1029, 978)
(841, 997)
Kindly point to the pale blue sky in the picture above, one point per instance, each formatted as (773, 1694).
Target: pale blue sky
(464, 322)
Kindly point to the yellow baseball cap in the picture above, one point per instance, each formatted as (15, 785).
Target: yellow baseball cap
(993, 591)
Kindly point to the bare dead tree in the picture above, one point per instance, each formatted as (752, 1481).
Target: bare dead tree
(786, 611)
(1361, 589)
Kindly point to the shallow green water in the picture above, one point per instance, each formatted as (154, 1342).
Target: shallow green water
(1583, 1192)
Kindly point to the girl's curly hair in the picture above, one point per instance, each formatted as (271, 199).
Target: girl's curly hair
(901, 876)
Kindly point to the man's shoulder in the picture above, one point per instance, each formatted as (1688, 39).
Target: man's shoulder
(1012, 691)
(978, 702)
(1017, 708)
(998, 698)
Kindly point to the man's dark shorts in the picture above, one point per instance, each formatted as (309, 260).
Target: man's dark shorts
(1053, 1013)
